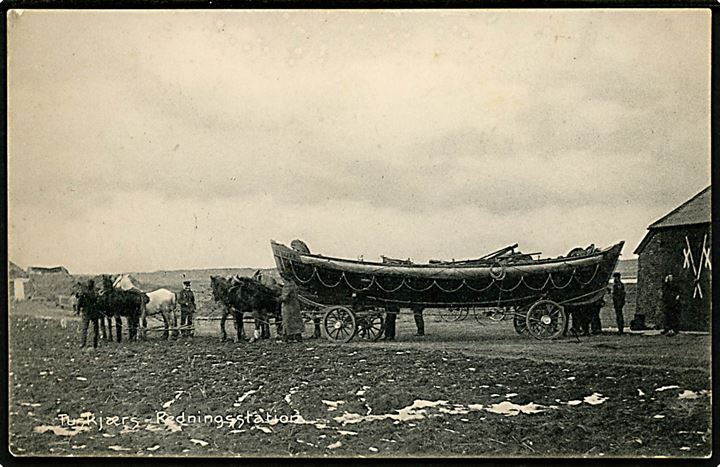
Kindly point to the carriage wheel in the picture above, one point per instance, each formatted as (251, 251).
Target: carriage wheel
(339, 324)
(453, 314)
(371, 327)
(546, 320)
(520, 321)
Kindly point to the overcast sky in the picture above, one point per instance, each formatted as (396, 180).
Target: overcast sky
(163, 140)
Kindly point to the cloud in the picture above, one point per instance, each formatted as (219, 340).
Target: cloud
(395, 123)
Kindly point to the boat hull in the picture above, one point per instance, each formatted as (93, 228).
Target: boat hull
(566, 280)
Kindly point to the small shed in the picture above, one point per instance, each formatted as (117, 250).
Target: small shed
(17, 282)
(680, 243)
(50, 283)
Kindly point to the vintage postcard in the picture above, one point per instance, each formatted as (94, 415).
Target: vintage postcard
(359, 233)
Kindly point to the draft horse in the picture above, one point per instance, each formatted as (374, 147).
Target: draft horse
(161, 302)
(116, 304)
(241, 295)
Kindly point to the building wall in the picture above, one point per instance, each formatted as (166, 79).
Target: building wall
(685, 252)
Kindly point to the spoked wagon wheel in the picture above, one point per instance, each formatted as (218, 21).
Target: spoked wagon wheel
(339, 324)
(546, 320)
(371, 327)
(520, 321)
(454, 314)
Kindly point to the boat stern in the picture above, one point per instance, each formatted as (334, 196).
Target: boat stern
(284, 257)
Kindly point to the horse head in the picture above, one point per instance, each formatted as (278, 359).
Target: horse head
(219, 286)
(107, 283)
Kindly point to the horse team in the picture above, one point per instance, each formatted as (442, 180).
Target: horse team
(120, 298)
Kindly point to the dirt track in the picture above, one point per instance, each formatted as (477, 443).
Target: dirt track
(596, 397)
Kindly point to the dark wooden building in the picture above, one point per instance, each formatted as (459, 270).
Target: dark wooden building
(680, 244)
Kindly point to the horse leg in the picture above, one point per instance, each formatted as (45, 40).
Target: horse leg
(175, 332)
(258, 325)
(143, 319)
(239, 326)
(103, 331)
(265, 325)
(110, 327)
(166, 324)
(223, 335)
(95, 332)
(118, 328)
(133, 324)
(136, 327)
(242, 326)
(279, 325)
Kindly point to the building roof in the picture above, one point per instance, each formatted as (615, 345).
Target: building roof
(694, 211)
(45, 270)
(15, 271)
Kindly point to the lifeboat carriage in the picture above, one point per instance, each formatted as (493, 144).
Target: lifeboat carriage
(349, 297)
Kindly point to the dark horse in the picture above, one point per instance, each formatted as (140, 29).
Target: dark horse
(116, 303)
(244, 295)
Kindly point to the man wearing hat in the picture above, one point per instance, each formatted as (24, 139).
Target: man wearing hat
(186, 299)
(89, 307)
(671, 306)
(618, 296)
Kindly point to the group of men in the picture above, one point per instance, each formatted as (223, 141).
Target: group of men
(586, 321)
(670, 304)
(391, 312)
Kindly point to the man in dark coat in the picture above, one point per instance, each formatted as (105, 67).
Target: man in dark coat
(391, 312)
(671, 306)
(419, 321)
(293, 324)
(186, 300)
(87, 306)
(595, 324)
(618, 296)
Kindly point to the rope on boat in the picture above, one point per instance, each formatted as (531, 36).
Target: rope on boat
(499, 275)
(497, 279)
(507, 302)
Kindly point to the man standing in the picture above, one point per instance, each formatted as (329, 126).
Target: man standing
(618, 296)
(671, 306)
(391, 312)
(595, 324)
(88, 306)
(419, 321)
(186, 299)
(293, 324)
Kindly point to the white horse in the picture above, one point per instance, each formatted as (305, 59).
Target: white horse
(162, 302)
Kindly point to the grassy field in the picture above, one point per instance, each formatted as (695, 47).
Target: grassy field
(466, 389)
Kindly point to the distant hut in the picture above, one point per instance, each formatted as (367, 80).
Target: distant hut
(679, 243)
(52, 284)
(43, 270)
(17, 282)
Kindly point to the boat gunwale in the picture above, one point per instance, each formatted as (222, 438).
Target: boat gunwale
(445, 267)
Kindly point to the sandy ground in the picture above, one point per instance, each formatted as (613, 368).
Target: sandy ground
(466, 389)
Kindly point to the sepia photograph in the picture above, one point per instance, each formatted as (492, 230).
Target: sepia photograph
(383, 233)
